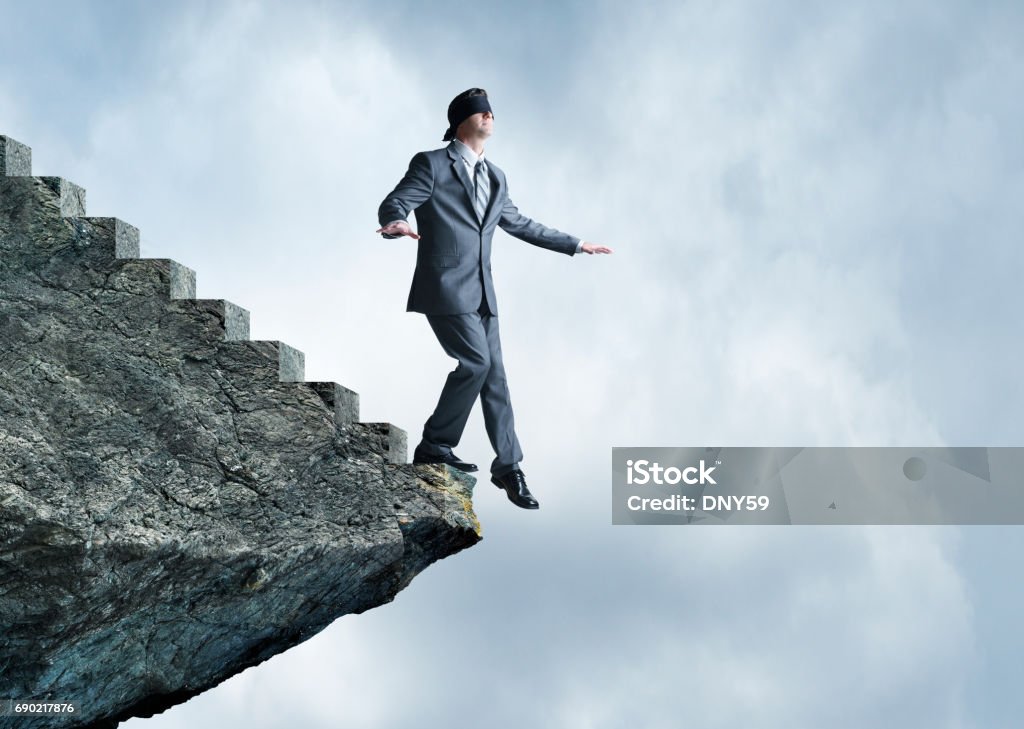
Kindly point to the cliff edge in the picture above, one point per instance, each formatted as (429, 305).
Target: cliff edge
(176, 502)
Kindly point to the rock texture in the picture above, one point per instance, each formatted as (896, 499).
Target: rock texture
(176, 503)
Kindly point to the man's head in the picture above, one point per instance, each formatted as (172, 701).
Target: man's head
(469, 116)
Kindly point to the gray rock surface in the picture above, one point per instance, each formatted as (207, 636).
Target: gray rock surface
(176, 503)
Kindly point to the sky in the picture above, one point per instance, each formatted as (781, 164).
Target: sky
(814, 211)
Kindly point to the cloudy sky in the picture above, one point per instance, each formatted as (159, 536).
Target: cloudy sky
(813, 211)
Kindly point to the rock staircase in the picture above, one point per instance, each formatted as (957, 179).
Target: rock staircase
(111, 238)
(177, 503)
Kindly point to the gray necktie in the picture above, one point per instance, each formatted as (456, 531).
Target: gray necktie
(483, 189)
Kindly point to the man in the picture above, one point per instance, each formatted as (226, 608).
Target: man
(460, 199)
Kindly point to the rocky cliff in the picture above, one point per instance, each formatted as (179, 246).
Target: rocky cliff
(176, 502)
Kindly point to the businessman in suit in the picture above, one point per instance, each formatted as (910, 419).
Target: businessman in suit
(459, 199)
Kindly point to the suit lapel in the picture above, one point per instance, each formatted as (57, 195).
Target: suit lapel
(459, 167)
(497, 193)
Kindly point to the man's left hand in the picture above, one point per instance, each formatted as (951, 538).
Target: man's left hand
(593, 248)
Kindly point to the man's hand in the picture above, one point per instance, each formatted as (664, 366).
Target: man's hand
(593, 248)
(399, 227)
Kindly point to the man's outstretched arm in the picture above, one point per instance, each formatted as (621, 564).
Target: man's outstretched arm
(515, 223)
(412, 191)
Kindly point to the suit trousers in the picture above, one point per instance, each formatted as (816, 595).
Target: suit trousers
(473, 340)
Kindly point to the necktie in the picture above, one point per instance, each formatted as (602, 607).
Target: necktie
(483, 189)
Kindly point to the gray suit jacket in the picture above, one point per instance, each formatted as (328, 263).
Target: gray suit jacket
(453, 261)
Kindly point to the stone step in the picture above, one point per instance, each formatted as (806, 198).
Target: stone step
(111, 237)
(264, 361)
(33, 211)
(343, 402)
(69, 197)
(392, 441)
(100, 260)
(160, 277)
(15, 158)
(221, 320)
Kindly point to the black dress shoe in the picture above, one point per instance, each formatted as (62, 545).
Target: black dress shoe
(514, 484)
(418, 457)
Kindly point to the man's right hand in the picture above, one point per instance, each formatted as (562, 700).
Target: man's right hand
(399, 227)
